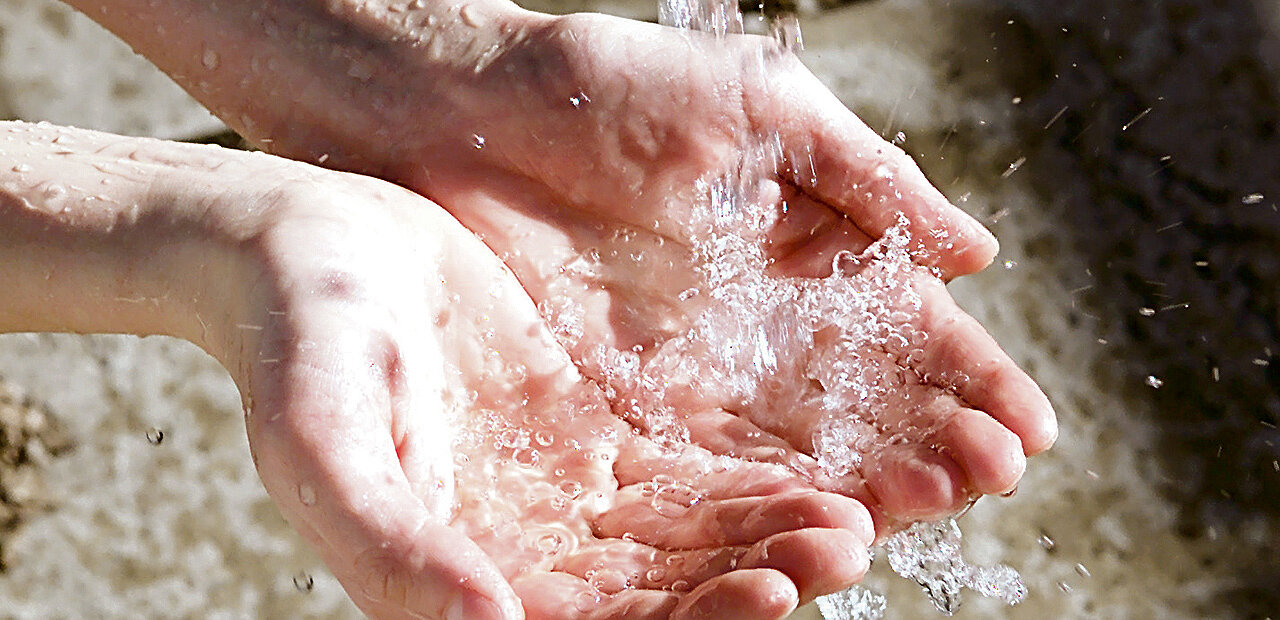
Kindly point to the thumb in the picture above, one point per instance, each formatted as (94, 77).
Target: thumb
(333, 466)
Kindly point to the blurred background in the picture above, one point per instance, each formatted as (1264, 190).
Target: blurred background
(1125, 153)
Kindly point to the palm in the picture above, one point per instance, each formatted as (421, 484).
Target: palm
(382, 308)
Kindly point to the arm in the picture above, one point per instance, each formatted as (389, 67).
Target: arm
(97, 237)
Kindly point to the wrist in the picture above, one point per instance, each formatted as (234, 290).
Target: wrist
(105, 234)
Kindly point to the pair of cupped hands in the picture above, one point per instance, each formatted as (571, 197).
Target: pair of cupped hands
(413, 414)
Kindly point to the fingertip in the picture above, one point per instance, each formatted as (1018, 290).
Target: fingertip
(990, 454)
(818, 561)
(743, 595)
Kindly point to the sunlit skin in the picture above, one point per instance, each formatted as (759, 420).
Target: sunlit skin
(370, 335)
(547, 135)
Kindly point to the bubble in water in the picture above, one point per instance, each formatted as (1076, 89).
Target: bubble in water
(655, 574)
(477, 140)
(1154, 381)
(155, 436)
(307, 495)
(1252, 199)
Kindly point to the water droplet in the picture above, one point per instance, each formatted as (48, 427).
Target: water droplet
(1047, 543)
(21, 168)
(155, 436)
(680, 585)
(655, 574)
(528, 457)
(209, 59)
(587, 600)
(674, 500)
(549, 543)
(304, 582)
(477, 140)
(472, 15)
(1010, 264)
(1013, 167)
(1154, 381)
(307, 495)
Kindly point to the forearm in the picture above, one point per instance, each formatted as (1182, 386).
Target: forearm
(100, 233)
(279, 71)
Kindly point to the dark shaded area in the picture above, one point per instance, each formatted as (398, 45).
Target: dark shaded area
(227, 139)
(1150, 130)
(29, 438)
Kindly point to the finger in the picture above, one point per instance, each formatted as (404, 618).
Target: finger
(990, 454)
(840, 161)
(556, 596)
(725, 433)
(818, 561)
(741, 595)
(667, 519)
(912, 482)
(326, 455)
(715, 478)
(995, 384)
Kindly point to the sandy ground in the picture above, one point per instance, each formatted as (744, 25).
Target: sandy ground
(1126, 154)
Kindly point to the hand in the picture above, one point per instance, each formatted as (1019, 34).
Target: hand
(578, 152)
(414, 418)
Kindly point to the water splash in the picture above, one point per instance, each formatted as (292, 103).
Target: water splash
(929, 554)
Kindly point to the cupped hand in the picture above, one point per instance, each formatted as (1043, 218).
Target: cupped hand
(415, 419)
